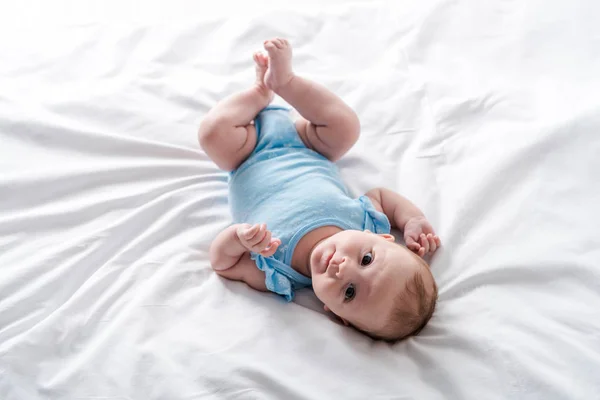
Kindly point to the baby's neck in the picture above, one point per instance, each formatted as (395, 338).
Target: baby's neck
(303, 250)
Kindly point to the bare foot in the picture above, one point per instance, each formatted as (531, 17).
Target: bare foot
(262, 63)
(279, 71)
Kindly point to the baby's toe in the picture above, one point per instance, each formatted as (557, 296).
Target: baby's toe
(259, 59)
(279, 43)
(265, 59)
(270, 45)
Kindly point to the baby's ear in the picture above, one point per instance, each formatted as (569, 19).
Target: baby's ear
(340, 318)
(388, 237)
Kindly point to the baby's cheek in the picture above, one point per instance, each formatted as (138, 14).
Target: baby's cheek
(320, 289)
(316, 288)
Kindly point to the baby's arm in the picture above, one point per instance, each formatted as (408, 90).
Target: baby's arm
(230, 253)
(404, 215)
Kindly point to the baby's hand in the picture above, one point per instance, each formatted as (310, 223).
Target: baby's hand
(420, 237)
(257, 238)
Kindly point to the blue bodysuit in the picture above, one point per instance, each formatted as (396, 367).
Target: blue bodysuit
(294, 190)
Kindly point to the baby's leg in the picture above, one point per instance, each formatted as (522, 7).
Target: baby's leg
(225, 133)
(330, 127)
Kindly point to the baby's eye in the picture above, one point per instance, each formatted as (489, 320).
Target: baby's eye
(367, 259)
(349, 293)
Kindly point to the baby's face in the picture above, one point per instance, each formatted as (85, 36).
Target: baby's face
(357, 275)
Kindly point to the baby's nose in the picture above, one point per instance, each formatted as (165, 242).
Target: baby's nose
(341, 266)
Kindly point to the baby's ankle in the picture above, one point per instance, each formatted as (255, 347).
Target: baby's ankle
(263, 92)
(282, 87)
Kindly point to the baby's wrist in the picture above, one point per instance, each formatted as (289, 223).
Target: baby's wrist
(414, 219)
(236, 239)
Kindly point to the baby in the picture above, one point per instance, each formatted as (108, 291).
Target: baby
(295, 223)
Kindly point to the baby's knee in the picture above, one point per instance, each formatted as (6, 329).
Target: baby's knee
(207, 132)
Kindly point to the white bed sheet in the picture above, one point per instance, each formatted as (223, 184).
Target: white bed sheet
(486, 114)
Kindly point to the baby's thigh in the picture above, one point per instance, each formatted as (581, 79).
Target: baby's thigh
(331, 143)
(227, 146)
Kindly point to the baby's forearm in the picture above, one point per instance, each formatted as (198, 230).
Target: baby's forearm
(397, 208)
(315, 102)
(404, 209)
(226, 250)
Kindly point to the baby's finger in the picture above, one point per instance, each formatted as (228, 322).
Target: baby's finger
(271, 248)
(262, 233)
(437, 240)
(259, 236)
(414, 246)
(432, 244)
(275, 242)
(263, 243)
(421, 252)
(425, 242)
(250, 232)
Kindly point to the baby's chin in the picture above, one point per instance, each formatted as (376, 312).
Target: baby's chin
(318, 289)
(314, 261)
(311, 263)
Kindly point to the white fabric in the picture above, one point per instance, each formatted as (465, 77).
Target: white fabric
(485, 113)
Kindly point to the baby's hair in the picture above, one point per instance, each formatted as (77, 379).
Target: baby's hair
(414, 307)
(425, 306)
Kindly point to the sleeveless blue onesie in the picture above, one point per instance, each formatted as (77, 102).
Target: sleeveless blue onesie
(294, 190)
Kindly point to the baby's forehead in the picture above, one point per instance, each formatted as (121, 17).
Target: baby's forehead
(398, 252)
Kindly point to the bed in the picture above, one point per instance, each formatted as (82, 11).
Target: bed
(486, 114)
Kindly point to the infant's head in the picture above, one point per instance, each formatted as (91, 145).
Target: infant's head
(374, 284)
